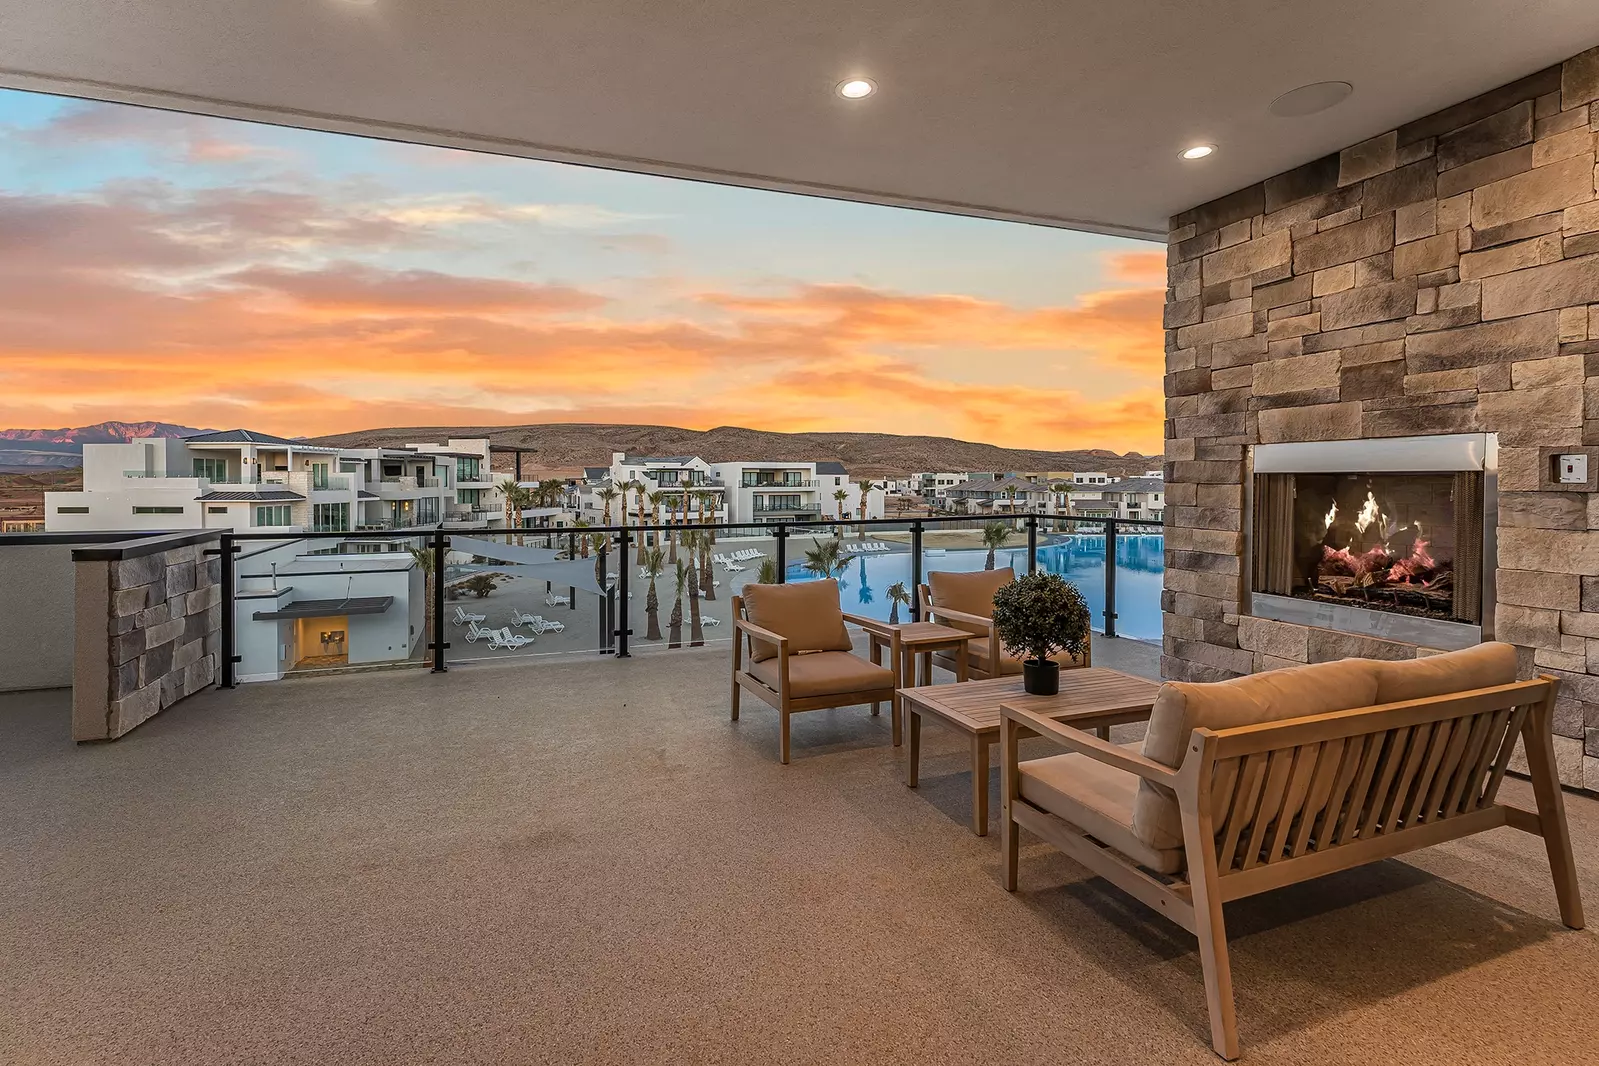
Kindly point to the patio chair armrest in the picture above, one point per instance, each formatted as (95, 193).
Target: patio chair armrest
(871, 625)
(740, 625)
(1074, 739)
(961, 616)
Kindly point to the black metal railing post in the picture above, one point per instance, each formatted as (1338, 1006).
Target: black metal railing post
(441, 547)
(916, 571)
(782, 552)
(227, 549)
(1110, 577)
(607, 599)
(1032, 543)
(624, 623)
(571, 554)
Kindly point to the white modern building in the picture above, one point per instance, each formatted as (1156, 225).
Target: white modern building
(935, 485)
(740, 492)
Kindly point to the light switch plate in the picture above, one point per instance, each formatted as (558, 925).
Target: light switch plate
(1573, 468)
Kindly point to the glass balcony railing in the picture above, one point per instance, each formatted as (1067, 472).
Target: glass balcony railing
(798, 508)
(749, 483)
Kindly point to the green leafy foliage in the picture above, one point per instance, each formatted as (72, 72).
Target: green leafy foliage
(1039, 614)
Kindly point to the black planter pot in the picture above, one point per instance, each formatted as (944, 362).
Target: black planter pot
(1041, 677)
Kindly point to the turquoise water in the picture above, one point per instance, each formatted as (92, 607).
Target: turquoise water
(1140, 562)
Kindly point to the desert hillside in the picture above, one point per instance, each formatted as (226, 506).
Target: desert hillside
(565, 447)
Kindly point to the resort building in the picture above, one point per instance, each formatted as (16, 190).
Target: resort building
(999, 495)
(739, 492)
(935, 486)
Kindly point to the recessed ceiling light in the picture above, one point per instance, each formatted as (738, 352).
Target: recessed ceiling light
(1198, 151)
(1309, 99)
(857, 88)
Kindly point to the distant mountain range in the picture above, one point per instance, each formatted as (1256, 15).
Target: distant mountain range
(565, 447)
(24, 450)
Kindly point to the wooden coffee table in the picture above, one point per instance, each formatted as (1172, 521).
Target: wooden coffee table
(1093, 697)
(918, 641)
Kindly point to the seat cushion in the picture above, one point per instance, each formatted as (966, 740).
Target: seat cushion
(969, 593)
(806, 612)
(1274, 696)
(1482, 666)
(1097, 799)
(825, 673)
(977, 659)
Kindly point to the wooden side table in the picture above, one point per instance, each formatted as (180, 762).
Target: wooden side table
(918, 641)
(1089, 697)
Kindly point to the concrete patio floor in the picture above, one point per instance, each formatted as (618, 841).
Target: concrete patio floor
(585, 862)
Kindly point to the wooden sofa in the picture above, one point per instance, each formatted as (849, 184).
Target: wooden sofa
(966, 601)
(800, 657)
(1247, 785)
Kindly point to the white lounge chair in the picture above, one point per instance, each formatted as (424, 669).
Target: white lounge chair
(710, 620)
(464, 617)
(552, 599)
(475, 632)
(546, 625)
(505, 640)
(520, 619)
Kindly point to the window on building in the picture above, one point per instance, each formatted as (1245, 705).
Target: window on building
(467, 469)
(330, 517)
(272, 514)
(427, 509)
(211, 469)
(319, 475)
(158, 510)
(216, 510)
(468, 497)
(72, 510)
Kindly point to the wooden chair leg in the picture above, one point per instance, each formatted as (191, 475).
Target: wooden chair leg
(1212, 930)
(782, 742)
(1009, 845)
(913, 745)
(735, 698)
(877, 660)
(1539, 744)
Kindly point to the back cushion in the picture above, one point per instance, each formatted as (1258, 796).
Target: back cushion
(806, 612)
(970, 593)
(1483, 666)
(1268, 697)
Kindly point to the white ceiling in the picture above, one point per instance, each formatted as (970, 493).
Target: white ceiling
(1066, 112)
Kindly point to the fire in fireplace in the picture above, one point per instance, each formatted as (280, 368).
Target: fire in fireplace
(1403, 543)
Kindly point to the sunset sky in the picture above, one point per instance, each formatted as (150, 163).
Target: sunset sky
(222, 274)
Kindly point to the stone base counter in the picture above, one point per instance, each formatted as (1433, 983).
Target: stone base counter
(149, 620)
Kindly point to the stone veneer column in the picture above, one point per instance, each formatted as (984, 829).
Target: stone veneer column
(1438, 278)
(149, 619)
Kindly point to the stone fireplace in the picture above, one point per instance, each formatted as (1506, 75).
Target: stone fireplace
(1388, 538)
(1436, 282)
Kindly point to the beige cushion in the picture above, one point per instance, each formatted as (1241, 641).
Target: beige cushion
(977, 659)
(806, 612)
(1268, 697)
(825, 673)
(969, 593)
(1482, 666)
(1097, 799)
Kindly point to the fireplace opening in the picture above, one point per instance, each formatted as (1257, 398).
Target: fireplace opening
(1404, 543)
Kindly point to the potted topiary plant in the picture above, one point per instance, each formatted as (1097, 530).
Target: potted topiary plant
(1036, 616)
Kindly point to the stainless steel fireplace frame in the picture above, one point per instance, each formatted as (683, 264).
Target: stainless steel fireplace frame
(1450, 453)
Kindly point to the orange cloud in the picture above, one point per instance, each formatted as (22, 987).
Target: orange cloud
(252, 308)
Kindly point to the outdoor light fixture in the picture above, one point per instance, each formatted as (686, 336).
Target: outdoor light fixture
(857, 88)
(1198, 151)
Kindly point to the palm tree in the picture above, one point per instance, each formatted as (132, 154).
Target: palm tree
(636, 487)
(827, 558)
(583, 540)
(675, 625)
(512, 493)
(841, 498)
(767, 575)
(598, 541)
(654, 565)
(607, 495)
(896, 596)
(425, 561)
(696, 633)
(995, 534)
(866, 486)
(671, 534)
(699, 556)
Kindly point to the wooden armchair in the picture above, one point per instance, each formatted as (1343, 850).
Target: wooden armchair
(800, 657)
(966, 601)
(1227, 799)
